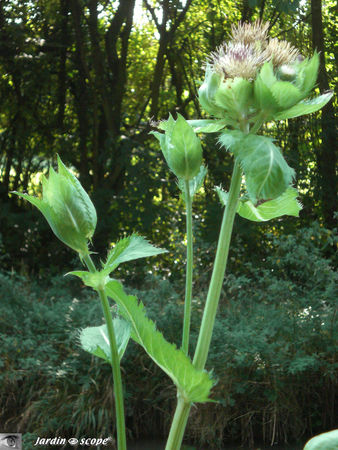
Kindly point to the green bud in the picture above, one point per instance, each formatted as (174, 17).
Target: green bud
(276, 92)
(181, 147)
(67, 208)
(286, 73)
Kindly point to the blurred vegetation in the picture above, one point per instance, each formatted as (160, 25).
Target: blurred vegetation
(83, 79)
(272, 353)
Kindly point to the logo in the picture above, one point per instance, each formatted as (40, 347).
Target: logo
(61, 441)
(10, 441)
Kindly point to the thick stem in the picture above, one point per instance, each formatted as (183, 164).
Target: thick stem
(178, 425)
(118, 391)
(209, 315)
(189, 271)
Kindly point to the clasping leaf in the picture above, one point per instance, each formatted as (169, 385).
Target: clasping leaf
(194, 385)
(286, 204)
(95, 340)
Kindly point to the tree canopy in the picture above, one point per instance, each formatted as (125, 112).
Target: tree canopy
(84, 79)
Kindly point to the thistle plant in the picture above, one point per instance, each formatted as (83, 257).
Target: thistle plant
(249, 80)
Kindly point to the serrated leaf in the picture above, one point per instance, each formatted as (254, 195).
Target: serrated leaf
(128, 249)
(286, 204)
(94, 280)
(222, 195)
(208, 125)
(308, 72)
(194, 385)
(324, 441)
(95, 340)
(230, 139)
(285, 93)
(305, 107)
(195, 184)
(262, 88)
(267, 175)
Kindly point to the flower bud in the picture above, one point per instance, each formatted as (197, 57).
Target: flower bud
(286, 73)
(275, 92)
(67, 208)
(181, 147)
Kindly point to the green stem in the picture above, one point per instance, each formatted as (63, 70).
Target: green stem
(118, 391)
(183, 408)
(209, 315)
(189, 271)
(178, 425)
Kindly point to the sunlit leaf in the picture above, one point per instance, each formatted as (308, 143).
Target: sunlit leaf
(267, 175)
(286, 204)
(128, 249)
(207, 125)
(305, 107)
(230, 139)
(194, 385)
(94, 280)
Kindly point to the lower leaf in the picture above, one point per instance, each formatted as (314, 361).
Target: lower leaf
(95, 340)
(194, 385)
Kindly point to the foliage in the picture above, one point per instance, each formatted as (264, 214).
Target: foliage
(275, 330)
(58, 99)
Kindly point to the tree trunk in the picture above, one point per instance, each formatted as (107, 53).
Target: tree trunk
(327, 152)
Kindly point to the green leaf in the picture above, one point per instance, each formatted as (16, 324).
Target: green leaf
(207, 90)
(185, 156)
(235, 96)
(307, 74)
(262, 88)
(207, 125)
(286, 94)
(230, 139)
(194, 385)
(222, 195)
(94, 280)
(95, 340)
(305, 107)
(195, 184)
(267, 174)
(128, 249)
(286, 204)
(180, 146)
(324, 441)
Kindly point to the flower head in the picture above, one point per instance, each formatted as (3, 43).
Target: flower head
(250, 34)
(248, 49)
(280, 52)
(237, 59)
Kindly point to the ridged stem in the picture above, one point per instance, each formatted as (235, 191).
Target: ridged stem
(118, 390)
(203, 344)
(189, 271)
